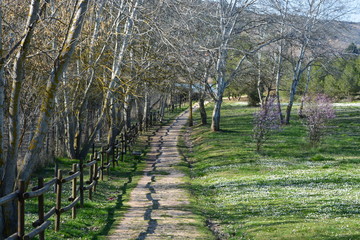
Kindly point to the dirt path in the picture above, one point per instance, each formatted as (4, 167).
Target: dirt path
(158, 205)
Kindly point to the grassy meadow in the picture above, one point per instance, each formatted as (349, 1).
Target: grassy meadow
(289, 190)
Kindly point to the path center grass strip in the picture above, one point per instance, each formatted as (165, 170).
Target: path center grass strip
(289, 190)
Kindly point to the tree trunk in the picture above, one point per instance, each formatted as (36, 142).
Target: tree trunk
(116, 124)
(127, 110)
(278, 79)
(202, 111)
(162, 108)
(259, 87)
(139, 109)
(305, 93)
(2, 110)
(146, 108)
(191, 121)
(291, 99)
(69, 123)
(297, 75)
(215, 124)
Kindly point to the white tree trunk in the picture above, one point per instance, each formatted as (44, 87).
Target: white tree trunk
(215, 123)
(296, 78)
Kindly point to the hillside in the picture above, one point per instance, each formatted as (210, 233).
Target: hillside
(348, 32)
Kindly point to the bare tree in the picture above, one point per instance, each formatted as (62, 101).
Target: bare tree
(234, 19)
(47, 106)
(310, 23)
(8, 181)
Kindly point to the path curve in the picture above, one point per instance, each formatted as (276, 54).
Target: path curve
(157, 206)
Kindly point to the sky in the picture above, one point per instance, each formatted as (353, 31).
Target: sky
(355, 17)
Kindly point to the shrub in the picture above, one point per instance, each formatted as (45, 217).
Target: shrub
(266, 120)
(318, 110)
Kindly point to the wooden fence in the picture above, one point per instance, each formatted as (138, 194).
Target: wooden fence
(98, 165)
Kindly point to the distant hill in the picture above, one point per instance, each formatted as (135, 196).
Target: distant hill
(347, 33)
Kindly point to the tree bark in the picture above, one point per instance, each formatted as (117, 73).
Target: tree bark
(191, 121)
(127, 110)
(202, 110)
(2, 110)
(297, 75)
(146, 107)
(278, 79)
(139, 109)
(215, 124)
(259, 86)
(305, 93)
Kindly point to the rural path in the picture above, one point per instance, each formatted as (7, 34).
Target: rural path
(158, 205)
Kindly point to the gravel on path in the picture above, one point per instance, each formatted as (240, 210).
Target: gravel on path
(158, 205)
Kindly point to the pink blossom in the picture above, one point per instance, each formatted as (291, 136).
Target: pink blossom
(318, 110)
(266, 120)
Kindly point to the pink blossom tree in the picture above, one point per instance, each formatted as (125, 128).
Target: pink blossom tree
(266, 121)
(317, 112)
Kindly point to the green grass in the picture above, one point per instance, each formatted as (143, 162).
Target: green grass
(289, 190)
(98, 216)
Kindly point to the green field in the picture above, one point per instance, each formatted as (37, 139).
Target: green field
(289, 190)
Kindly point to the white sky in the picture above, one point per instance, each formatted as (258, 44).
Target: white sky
(355, 16)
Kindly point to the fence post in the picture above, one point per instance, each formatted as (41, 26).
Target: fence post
(21, 210)
(81, 182)
(73, 195)
(55, 175)
(58, 200)
(41, 207)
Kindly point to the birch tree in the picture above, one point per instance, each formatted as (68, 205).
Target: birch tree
(229, 14)
(311, 22)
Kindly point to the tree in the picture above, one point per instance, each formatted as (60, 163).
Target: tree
(318, 110)
(228, 14)
(310, 22)
(352, 49)
(47, 106)
(9, 177)
(266, 120)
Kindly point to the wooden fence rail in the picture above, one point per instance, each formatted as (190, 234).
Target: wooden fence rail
(98, 165)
